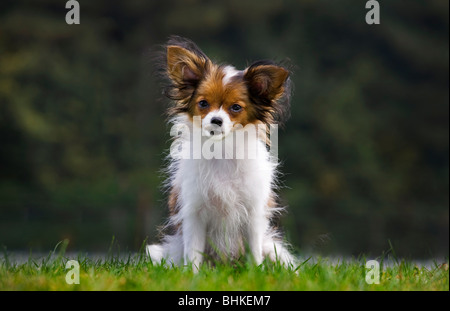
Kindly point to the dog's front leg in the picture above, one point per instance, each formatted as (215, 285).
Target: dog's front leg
(255, 232)
(194, 238)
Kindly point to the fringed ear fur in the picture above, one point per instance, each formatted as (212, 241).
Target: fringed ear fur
(266, 80)
(186, 67)
(269, 89)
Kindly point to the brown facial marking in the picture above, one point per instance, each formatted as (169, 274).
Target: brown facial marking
(218, 95)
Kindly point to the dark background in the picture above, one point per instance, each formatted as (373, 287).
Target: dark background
(365, 154)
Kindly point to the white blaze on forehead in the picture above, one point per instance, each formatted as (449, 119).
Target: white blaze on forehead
(229, 72)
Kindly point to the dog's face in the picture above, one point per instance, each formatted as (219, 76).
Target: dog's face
(221, 95)
(221, 100)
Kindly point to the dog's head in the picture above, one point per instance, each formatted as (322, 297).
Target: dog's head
(220, 94)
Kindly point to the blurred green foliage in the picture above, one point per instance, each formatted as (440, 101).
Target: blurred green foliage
(365, 153)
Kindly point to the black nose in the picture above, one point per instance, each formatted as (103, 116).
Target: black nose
(217, 121)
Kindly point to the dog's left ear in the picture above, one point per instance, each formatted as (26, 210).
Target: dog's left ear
(184, 67)
(266, 81)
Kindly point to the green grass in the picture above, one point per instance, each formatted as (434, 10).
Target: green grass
(136, 272)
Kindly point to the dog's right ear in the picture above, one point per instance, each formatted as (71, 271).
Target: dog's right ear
(185, 68)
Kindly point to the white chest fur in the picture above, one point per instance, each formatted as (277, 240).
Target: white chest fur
(223, 196)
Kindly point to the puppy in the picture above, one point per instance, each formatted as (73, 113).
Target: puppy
(222, 180)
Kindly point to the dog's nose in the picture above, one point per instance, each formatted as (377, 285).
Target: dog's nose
(217, 121)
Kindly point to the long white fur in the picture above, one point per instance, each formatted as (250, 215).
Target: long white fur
(222, 203)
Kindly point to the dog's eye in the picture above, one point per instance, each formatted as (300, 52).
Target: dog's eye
(203, 104)
(236, 108)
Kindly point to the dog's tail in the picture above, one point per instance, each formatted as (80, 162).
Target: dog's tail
(169, 251)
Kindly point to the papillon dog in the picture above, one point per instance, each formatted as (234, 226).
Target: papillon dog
(222, 203)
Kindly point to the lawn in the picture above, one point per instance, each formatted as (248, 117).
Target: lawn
(137, 272)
